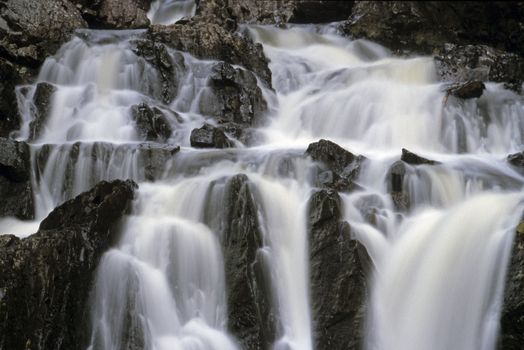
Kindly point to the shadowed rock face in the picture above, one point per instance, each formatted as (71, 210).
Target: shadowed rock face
(512, 318)
(151, 123)
(45, 278)
(209, 136)
(15, 180)
(252, 318)
(9, 78)
(339, 272)
(115, 14)
(42, 107)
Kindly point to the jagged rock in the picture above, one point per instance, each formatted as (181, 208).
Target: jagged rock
(464, 63)
(252, 318)
(42, 104)
(340, 167)
(274, 12)
(512, 317)
(15, 180)
(170, 68)
(517, 160)
(415, 159)
(151, 123)
(342, 263)
(211, 41)
(234, 96)
(209, 136)
(423, 26)
(32, 30)
(469, 89)
(45, 278)
(115, 14)
(9, 78)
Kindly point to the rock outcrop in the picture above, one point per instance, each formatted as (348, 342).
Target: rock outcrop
(9, 78)
(512, 318)
(209, 136)
(45, 278)
(339, 168)
(15, 180)
(339, 272)
(42, 107)
(151, 123)
(252, 318)
(114, 14)
(415, 159)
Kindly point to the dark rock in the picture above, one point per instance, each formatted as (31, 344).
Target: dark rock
(151, 123)
(15, 180)
(115, 14)
(517, 160)
(46, 277)
(463, 63)
(275, 12)
(42, 106)
(423, 26)
(154, 157)
(339, 167)
(512, 317)
(211, 41)
(209, 136)
(470, 89)
(170, 68)
(234, 96)
(252, 318)
(395, 179)
(342, 263)
(9, 118)
(415, 159)
(32, 30)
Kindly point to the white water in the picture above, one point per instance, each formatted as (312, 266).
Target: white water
(439, 268)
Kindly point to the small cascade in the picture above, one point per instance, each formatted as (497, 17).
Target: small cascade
(170, 11)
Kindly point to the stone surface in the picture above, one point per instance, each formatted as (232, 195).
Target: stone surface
(339, 167)
(114, 14)
(9, 78)
(467, 90)
(209, 136)
(252, 319)
(415, 159)
(42, 106)
(512, 317)
(32, 30)
(395, 180)
(151, 123)
(517, 160)
(339, 272)
(45, 278)
(15, 180)
(211, 41)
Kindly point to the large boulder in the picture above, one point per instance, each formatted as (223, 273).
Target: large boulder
(423, 26)
(15, 180)
(339, 272)
(512, 318)
(9, 118)
(115, 14)
(252, 318)
(339, 167)
(274, 12)
(211, 41)
(45, 278)
(209, 136)
(32, 30)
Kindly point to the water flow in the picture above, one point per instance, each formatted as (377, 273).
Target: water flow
(170, 11)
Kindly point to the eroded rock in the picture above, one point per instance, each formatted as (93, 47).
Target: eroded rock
(209, 136)
(151, 123)
(47, 276)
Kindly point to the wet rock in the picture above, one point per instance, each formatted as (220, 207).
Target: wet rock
(395, 179)
(9, 118)
(115, 14)
(275, 12)
(467, 90)
(512, 317)
(42, 106)
(415, 159)
(209, 136)
(339, 167)
(151, 123)
(466, 63)
(47, 276)
(342, 263)
(234, 96)
(517, 160)
(170, 68)
(15, 180)
(252, 318)
(32, 30)
(211, 41)
(153, 158)
(423, 26)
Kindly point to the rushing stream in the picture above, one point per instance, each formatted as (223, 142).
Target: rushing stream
(439, 269)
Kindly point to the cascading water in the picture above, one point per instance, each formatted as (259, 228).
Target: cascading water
(439, 268)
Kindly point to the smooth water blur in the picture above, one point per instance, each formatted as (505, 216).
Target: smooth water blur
(439, 267)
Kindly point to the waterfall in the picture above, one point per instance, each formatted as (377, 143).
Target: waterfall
(438, 267)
